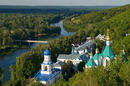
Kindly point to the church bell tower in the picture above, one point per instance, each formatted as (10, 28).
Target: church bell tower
(46, 66)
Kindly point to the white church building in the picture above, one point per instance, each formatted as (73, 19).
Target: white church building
(78, 54)
(48, 73)
(103, 58)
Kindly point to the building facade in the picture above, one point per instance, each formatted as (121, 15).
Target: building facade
(78, 54)
(48, 73)
(103, 58)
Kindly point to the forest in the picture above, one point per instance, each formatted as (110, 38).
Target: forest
(33, 22)
(26, 27)
(1, 76)
(92, 24)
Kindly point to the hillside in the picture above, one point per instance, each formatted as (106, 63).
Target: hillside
(119, 25)
(85, 21)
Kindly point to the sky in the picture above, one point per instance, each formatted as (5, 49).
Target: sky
(64, 2)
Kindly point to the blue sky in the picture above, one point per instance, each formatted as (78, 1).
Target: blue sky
(64, 2)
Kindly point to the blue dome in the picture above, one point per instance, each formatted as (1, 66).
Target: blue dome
(47, 52)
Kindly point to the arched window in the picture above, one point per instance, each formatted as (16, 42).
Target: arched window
(45, 68)
(106, 61)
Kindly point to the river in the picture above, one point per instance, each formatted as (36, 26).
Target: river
(6, 61)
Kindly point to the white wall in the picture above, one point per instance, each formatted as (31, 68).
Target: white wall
(53, 80)
(96, 61)
(105, 61)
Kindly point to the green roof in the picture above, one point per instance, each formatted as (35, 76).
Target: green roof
(96, 56)
(91, 63)
(108, 52)
(72, 51)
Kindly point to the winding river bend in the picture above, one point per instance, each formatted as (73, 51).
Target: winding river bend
(6, 61)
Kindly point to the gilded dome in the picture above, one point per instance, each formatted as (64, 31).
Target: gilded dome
(123, 50)
(96, 49)
(91, 54)
(107, 38)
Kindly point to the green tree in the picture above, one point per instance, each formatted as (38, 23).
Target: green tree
(67, 70)
(1, 76)
(81, 66)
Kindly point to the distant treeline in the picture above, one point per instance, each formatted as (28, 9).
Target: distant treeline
(56, 11)
(68, 10)
(54, 7)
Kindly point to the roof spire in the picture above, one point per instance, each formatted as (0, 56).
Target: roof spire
(96, 50)
(123, 50)
(124, 55)
(72, 51)
(91, 54)
(107, 36)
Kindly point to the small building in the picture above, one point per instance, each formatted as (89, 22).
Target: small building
(48, 73)
(127, 34)
(72, 19)
(84, 47)
(78, 54)
(101, 37)
(75, 58)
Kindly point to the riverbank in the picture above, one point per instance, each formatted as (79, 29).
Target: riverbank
(11, 49)
(68, 25)
(64, 31)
